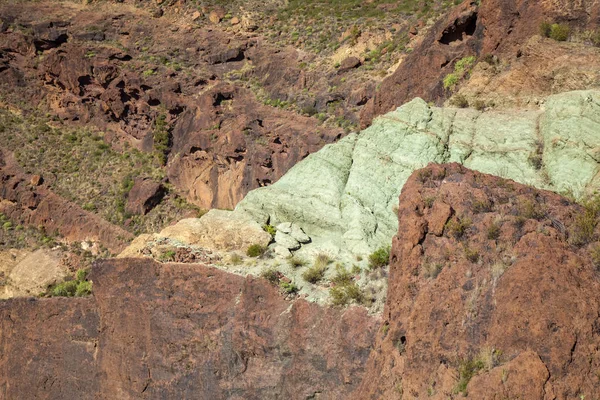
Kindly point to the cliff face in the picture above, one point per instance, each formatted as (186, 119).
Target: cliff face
(487, 295)
(180, 331)
(493, 292)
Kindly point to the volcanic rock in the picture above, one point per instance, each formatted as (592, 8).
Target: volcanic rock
(144, 196)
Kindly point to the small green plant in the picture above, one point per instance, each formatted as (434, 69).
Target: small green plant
(458, 226)
(288, 287)
(560, 32)
(256, 250)
(379, 258)
(450, 81)
(428, 202)
(148, 72)
(168, 256)
(467, 369)
(464, 64)
(270, 229)
(77, 287)
(236, 259)
(344, 294)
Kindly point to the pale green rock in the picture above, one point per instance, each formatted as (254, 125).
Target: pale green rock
(344, 195)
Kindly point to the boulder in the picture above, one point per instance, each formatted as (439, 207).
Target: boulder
(287, 241)
(347, 64)
(144, 196)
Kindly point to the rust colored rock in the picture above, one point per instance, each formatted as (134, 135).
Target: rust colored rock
(177, 330)
(216, 15)
(511, 300)
(496, 27)
(347, 64)
(437, 217)
(144, 196)
(36, 180)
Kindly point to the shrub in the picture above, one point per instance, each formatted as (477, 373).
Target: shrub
(482, 206)
(471, 255)
(314, 274)
(272, 275)
(288, 288)
(582, 231)
(545, 28)
(78, 287)
(467, 369)
(450, 81)
(531, 209)
(236, 259)
(379, 258)
(459, 101)
(493, 231)
(464, 64)
(256, 250)
(560, 32)
(595, 256)
(432, 270)
(270, 229)
(479, 105)
(342, 276)
(296, 262)
(458, 226)
(168, 255)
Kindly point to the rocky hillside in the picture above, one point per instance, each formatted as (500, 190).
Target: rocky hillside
(493, 293)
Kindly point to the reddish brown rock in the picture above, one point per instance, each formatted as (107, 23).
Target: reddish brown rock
(520, 304)
(144, 196)
(347, 64)
(180, 330)
(496, 27)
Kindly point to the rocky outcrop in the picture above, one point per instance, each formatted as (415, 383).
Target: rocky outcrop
(344, 195)
(498, 27)
(144, 196)
(178, 331)
(499, 304)
(38, 207)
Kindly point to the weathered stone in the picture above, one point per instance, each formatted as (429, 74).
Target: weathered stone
(285, 227)
(219, 230)
(347, 64)
(286, 241)
(437, 217)
(144, 196)
(196, 15)
(281, 251)
(298, 234)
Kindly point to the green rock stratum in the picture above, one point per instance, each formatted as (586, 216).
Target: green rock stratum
(344, 196)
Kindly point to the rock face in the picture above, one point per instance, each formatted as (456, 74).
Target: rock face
(143, 196)
(504, 308)
(180, 331)
(344, 195)
(497, 27)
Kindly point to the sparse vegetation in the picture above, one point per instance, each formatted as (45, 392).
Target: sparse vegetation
(459, 101)
(482, 206)
(471, 254)
(379, 258)
(432, 270)
(345, 290)
(167, 256)
(296, 262)
(270, 229)
(531, 209)
(288, 287)
(315, 273)
(78, 287)
(558, 32)
(458, 226)
(467, 369)
(256, 250)
(493, 231)
(271, 275)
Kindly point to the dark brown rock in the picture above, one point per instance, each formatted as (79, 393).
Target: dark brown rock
(347, 64)
(144, 196)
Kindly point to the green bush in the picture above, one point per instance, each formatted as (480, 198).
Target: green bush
(270, 229)
(315, 273)
(379, 258)
(464, 64)
(450, 81)
(342, 295)
(256, 250)
(467, 369)
(288, 288)
(77, 287)
(560, 32)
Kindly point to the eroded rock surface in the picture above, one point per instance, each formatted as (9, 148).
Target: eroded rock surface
(508, 296)
(180, 331)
